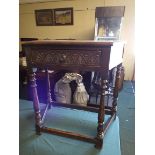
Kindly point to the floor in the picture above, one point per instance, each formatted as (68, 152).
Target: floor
(66, 119)
(126, 114)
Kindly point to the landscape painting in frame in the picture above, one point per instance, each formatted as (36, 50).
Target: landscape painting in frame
(44, 17)
(63, 16)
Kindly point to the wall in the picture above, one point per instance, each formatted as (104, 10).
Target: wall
(83, 28)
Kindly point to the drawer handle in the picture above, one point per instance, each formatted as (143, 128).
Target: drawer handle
(62, 58)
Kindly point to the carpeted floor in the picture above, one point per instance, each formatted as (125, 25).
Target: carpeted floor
(65, 119)
(126, 114)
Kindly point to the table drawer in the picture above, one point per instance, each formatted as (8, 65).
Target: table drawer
(68, 57)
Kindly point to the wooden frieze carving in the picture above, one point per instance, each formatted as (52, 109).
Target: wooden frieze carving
(65, 57)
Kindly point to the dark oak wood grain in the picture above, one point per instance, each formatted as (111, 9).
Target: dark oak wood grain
(49, 98)
(116, 88)
(36, 103)
(80, 56)
(69, 134)
(110, 11)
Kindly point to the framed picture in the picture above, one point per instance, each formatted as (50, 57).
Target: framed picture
(44, 17)
(63, 16)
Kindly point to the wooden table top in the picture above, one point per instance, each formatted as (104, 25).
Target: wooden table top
(69, 42)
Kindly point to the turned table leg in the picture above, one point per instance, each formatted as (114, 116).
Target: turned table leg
(49, 99)
(101, 114)
(116, 89)
(35, 103)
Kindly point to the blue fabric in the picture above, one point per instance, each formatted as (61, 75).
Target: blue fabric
(66, 119)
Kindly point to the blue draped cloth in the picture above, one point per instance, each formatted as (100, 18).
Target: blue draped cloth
(65, 119)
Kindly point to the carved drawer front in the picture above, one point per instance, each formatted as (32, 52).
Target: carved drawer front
(65, 57)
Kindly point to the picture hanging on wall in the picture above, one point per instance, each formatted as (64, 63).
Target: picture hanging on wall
(44, 17)
(63, 16)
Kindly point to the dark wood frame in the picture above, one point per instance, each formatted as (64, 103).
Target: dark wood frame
(46, 13)
(62, 10)
(37, 52)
